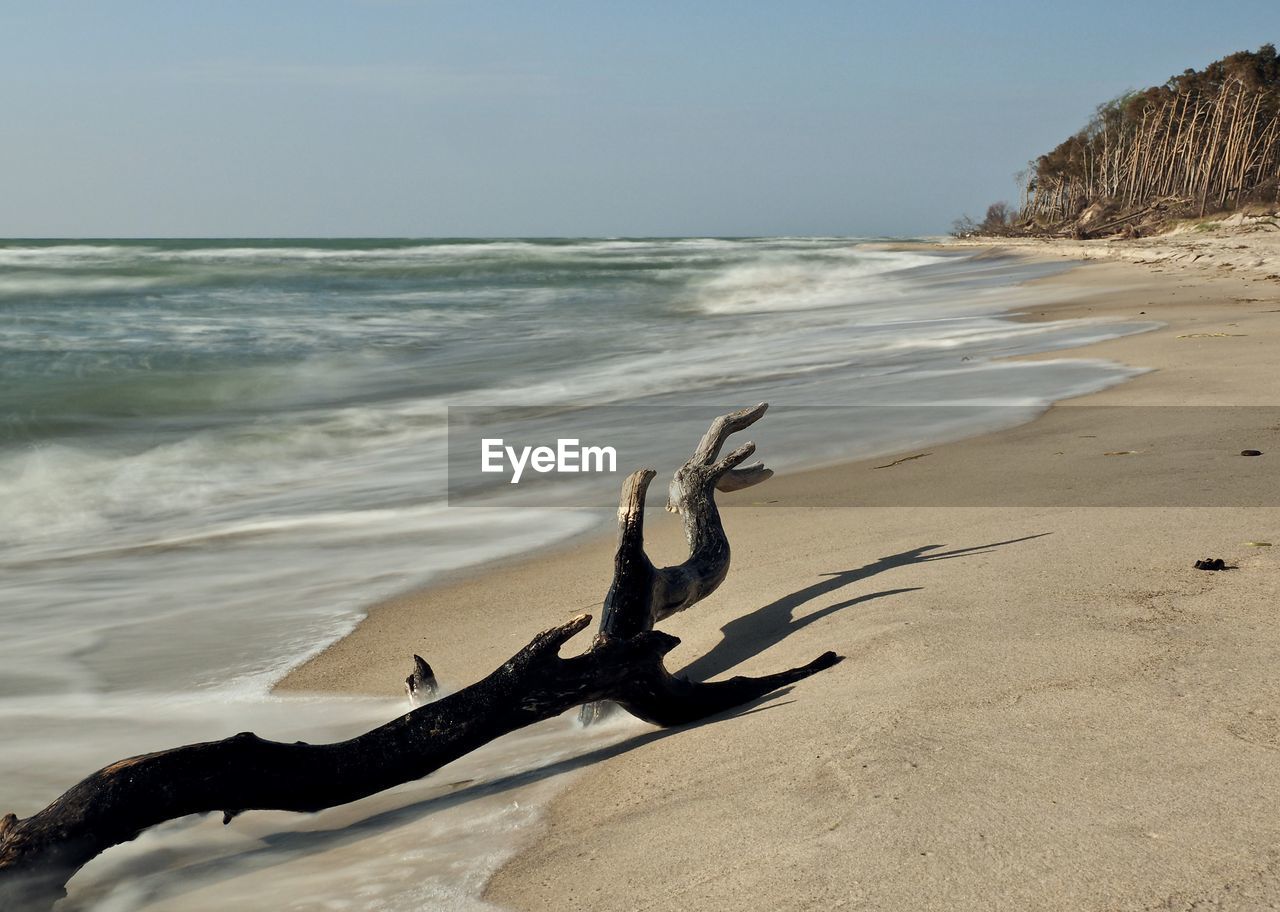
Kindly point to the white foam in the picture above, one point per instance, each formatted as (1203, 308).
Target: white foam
(49, 286)
(790, 282)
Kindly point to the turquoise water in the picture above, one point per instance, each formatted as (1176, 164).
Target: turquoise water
(215, 454)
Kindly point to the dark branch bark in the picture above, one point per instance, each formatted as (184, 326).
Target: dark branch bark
(40, 853)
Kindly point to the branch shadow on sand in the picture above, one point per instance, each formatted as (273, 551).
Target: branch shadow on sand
(751, 634)
(744, 637)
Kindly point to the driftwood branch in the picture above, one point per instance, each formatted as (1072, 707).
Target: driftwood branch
(421, 684)
(642, 594)
(624, 665)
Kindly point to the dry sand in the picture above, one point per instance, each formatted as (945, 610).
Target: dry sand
(1043, 706)
(1243, 246)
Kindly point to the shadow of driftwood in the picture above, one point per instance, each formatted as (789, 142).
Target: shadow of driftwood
(770, 624)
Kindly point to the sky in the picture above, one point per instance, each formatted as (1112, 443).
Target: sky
(422, 118)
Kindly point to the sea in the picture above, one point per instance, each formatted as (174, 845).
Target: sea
(215, 455)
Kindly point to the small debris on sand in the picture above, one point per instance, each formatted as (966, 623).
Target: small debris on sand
(889, 465)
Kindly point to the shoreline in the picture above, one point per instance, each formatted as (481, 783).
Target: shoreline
(344, 667)
(882, 767)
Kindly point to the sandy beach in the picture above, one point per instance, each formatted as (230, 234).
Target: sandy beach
(333, 338)
(1043, 706)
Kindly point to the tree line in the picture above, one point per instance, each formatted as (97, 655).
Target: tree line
(1205, 141)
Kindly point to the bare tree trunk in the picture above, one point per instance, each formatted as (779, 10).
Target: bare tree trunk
(1169, 165)
(1249, 138)
(624, 664)
(1210, 150)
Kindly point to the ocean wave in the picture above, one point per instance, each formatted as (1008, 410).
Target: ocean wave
(478, 251)
(782, 282)
(55, 495)
(61, 255)
(26, 286)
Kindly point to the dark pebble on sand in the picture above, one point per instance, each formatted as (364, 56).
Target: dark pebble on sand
(1251, 452)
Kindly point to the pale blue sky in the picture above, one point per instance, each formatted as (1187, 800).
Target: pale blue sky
(432, 117)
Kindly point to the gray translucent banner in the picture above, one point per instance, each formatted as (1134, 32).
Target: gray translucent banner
(908, 455)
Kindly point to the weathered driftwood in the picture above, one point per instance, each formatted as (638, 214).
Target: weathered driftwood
(624, 664)
(642, 594)
(421, 684)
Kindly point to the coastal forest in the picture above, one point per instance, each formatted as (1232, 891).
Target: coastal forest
(1206, 141)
